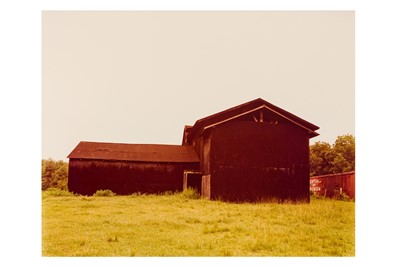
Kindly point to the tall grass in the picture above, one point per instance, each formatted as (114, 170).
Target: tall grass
(190, 193)
(104, 193)
(56, 192)
(179, 225)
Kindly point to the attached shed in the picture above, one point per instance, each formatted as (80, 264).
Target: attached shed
(129, 168)
(254, 151)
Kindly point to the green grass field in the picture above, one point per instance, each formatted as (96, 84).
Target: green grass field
(175, 225)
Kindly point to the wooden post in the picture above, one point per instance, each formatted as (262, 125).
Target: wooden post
(185, 180)
(255, 119)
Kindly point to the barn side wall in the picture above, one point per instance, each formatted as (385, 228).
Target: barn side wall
(124, 178)
(202, 145)
(251, 161)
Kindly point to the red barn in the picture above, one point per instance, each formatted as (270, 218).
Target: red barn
(254, 151)
(332, 185)
(129, 168)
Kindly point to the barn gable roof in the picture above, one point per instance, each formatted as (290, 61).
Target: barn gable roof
(246, 108)
(133, 152)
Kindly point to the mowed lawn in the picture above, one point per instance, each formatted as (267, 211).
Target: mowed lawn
(175, 225)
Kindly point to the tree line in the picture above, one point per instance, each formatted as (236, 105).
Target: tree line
(333, 159)
(324, 159)
(54, 174)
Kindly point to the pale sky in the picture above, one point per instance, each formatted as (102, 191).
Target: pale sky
(139, 77)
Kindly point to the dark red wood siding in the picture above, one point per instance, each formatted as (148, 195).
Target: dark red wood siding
(250, 161)
(331, 185)
(126, 177)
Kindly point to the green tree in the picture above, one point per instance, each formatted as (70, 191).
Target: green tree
(61, 176)
(344, 150)
(338, 158)
(54, 174)
(48, 168)
(321, 157)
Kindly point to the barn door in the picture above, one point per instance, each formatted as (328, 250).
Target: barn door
(192, 179)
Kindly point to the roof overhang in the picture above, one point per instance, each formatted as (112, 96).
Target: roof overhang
(158, 153)
(259, 108)
(247, 108)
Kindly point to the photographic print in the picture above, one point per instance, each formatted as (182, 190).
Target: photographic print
(198, 133)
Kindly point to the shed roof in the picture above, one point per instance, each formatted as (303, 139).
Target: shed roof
(133, 152)
(246, 108)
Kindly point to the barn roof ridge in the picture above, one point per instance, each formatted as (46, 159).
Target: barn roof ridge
(229, 109)
(246, 107)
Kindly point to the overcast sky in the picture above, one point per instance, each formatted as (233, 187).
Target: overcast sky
(139, 77)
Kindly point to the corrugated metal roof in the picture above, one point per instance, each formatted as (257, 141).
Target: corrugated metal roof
(236, 111)
(134, 152)
(330, 175)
